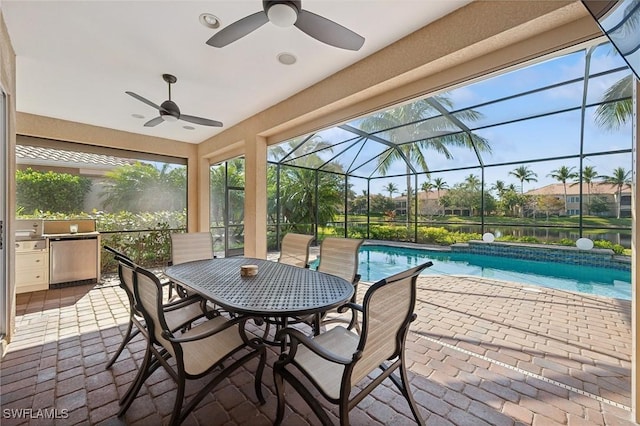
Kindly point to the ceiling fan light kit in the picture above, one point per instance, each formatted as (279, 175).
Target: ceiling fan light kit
(285, 13)
(169, 111)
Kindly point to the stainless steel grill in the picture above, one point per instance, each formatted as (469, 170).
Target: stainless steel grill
(28, 229)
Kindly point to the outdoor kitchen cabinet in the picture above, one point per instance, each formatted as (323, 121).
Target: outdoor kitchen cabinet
(32, 266)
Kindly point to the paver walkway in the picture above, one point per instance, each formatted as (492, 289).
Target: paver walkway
(481, 352)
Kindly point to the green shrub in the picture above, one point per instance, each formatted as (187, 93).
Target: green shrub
(50, 191)
(565, 242)
(604, 244)
(442, 236)
(389, 233)
(513, 239)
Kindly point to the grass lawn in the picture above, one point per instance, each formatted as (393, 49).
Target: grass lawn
(562, 221)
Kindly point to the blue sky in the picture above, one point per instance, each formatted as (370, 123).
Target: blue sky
(543, 137)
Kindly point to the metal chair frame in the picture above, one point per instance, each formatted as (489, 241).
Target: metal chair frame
(351, 357)
(164, 344)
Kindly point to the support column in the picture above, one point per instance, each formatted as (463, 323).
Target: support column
(201, 223)
(193, 197)
(255, 198)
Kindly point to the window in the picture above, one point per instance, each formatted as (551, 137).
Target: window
(136, 199)
(498, 152)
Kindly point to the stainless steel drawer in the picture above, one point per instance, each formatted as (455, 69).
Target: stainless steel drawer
(31, 245)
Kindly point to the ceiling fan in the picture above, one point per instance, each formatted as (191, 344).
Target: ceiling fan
(285, 13)
(169, 111)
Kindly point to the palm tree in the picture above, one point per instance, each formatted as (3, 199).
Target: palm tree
(619, 178)
(391, 188)
(472, 185)
(410, 127)
(563, 174)
(297, 202)
(589, 174)
(524, 173)
(472, 182)
(617, 103)
(439, 184)
(426, 186)
(500, 187)
(140, 187)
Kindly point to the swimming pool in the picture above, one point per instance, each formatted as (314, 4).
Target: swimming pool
(377, 262)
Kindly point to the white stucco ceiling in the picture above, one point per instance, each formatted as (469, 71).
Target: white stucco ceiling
(76, 59)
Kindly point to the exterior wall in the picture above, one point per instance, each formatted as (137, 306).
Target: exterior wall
(607, 192)
(573, 203)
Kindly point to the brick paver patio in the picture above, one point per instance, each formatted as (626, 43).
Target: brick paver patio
(481, 352)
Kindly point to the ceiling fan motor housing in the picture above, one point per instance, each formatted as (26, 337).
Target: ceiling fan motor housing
(296, 4)
(169, 111)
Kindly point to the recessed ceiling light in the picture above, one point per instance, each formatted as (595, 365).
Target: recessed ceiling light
(209, 20)
(137, 116)
(286, 58)
(188, 127)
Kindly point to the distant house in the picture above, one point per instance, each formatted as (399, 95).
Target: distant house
(600, 200)
(91, 166)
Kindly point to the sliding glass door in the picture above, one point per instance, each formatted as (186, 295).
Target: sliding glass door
(227, 206)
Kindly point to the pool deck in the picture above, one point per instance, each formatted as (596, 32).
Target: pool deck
(481, 352)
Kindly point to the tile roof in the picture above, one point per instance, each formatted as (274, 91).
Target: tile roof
(29, 154)
(574, 189)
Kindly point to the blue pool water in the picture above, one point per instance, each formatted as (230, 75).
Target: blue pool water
(377, 262)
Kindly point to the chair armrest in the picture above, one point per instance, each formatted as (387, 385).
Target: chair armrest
(182, 302)
(210, 332)
(297, 338)
(350, 305)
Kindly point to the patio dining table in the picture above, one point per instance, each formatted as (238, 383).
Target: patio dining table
(278, 291)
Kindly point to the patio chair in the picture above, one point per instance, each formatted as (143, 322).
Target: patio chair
(295, 249)
(188, 247)
(190, 310)
(337, 361)
(216, 345)
(340, 257)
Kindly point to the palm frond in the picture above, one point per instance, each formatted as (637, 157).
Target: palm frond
(615, 109)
